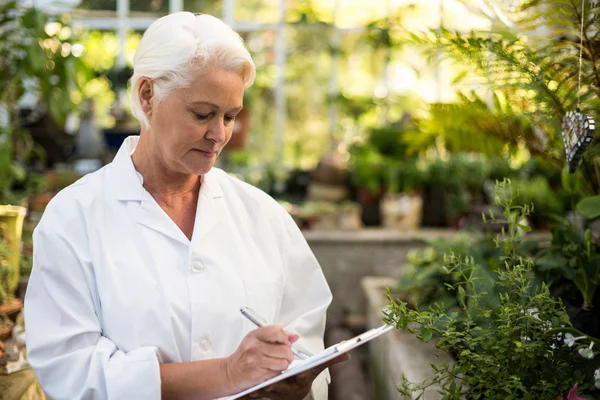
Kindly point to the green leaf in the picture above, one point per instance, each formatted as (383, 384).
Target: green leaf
(590, 207)
(453, 387)
(427, 334)
(525, 227)
(18, 172)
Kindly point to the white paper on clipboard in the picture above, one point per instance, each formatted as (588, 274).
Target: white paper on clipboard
(328, 354)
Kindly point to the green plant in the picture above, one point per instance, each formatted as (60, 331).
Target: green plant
(457, 203)
(573, 254)
(471, 125)
(37, 55)
(425, 281)
(525, 349)
(538, 192)
(366, 168)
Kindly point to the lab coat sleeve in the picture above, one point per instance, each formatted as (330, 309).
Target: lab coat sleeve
(306, 296)
(66, 348)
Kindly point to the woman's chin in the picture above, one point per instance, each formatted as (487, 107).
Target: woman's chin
(200, 168)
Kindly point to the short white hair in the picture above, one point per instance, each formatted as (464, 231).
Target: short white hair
(176, 45)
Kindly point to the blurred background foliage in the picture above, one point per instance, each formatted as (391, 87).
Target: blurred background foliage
(436, 98)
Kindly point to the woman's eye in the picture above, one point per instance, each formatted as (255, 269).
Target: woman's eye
(229, 118)
(202, 116)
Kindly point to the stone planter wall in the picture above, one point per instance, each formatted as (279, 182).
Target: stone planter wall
(397, 352)
(348, 256)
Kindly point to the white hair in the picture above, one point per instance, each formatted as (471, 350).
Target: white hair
(177, 44)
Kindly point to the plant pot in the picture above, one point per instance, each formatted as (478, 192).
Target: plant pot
(541, 223)
(370, 207)
(114, 138)
(39, 202)
(349, 218)
(587, 320)
(241, 131)
(11, 220)
(401, 211)
(454, 222)
(5, 331)
(434, 206)
(11, 308)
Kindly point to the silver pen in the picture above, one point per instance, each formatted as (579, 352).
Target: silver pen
(260, 322)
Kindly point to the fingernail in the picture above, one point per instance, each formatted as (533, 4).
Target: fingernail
(292, 337)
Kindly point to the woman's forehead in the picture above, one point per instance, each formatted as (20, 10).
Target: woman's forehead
(217, 88)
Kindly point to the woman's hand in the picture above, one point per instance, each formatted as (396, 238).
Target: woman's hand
(263, 354)
(295, 387)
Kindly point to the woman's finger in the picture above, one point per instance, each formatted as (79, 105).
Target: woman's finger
(280, 351)
(272, 334)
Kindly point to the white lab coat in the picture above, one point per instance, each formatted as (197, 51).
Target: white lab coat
(117, 288)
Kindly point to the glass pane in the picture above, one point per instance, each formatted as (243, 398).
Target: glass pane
(304, 12)
(110, 5)
(356, 13)
(258, 99)
(308, 70)
(212, 7)
(159, 6)
(264, 11)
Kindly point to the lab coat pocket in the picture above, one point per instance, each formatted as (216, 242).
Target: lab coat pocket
(264, 297)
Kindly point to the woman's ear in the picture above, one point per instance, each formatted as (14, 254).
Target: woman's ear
(146, 95)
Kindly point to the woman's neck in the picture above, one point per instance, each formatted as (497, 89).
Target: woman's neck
(160, 181)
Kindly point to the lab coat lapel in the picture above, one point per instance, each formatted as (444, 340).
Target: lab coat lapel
(211, 207)
(151, 215)
(129, 187)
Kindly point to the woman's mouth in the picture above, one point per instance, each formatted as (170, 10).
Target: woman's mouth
(207, 154)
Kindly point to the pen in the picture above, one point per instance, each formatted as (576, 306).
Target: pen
(260, 322)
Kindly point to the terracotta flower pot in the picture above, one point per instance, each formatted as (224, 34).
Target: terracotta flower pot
(11, 308)
(241, 131)
(5, 331)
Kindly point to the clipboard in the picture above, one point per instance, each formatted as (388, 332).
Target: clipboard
(329, 353)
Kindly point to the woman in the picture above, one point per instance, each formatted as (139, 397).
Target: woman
(141, 268)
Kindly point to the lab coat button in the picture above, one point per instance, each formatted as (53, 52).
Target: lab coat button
(197, 266)
(205, 345)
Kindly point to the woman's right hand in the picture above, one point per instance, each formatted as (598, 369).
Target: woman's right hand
(263, 354)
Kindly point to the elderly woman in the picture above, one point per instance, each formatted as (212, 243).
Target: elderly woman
(141, 268)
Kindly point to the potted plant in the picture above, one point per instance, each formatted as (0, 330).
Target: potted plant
(457, 206)
(525, 349)
(365, 168)
(9, 305)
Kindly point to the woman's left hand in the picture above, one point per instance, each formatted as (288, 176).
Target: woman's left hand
(295, 387)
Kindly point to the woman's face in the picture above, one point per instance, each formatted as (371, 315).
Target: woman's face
(192, 125)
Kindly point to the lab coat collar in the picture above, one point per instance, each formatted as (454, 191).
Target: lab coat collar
(211, 206)
(124, 176)
(128, 186)
(127, 182)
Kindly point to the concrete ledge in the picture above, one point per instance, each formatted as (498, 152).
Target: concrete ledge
(376, 235)
(20, 385)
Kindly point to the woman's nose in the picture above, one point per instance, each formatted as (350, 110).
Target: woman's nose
(217, 131)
